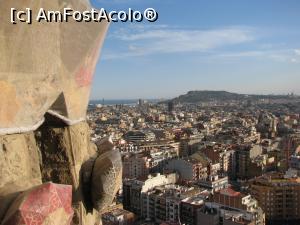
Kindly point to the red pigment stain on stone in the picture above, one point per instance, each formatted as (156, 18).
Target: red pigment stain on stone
(85, 73)
(84, 76)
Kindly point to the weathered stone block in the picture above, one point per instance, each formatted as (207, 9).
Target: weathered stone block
(46, 67)
(19, 167)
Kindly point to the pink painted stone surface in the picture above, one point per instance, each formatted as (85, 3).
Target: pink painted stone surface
(46, 204)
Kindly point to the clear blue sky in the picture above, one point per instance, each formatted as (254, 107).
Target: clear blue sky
(242, 46)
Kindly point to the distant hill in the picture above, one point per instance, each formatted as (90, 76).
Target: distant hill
(207, 96)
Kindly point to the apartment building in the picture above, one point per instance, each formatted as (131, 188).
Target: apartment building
(231, 208)
(279, 197)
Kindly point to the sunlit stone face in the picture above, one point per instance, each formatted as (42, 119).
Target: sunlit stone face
(46, 67)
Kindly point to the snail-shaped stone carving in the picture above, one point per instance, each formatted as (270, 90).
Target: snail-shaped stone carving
(102, 175)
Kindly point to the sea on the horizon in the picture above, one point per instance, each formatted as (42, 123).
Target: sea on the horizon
(119, 101)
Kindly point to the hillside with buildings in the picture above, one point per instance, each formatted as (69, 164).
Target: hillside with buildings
(209, 96)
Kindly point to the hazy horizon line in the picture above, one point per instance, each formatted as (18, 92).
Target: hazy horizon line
(159, 98)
